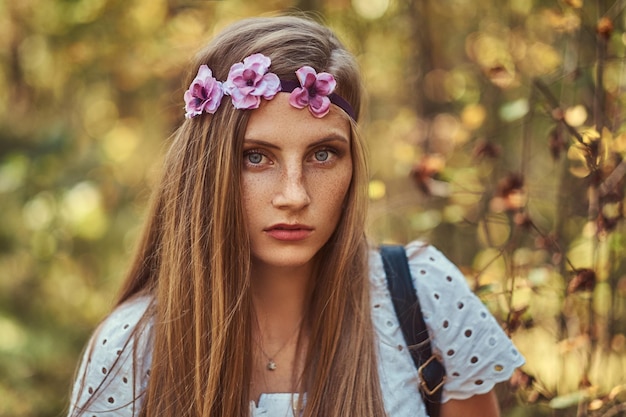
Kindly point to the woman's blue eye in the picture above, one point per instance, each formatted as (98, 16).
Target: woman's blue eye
(255, 157)
(322, 156)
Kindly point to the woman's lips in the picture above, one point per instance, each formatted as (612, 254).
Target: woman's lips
(289, 232)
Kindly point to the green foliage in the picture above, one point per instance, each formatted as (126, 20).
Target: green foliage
(496, 132)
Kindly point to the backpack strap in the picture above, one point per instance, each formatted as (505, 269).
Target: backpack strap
(431, 372)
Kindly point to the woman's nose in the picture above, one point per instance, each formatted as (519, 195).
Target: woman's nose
(292, 192)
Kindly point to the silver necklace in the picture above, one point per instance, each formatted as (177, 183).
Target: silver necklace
(271, 363)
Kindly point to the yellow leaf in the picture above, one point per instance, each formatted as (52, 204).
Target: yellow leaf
(590, 135)
(578, 161)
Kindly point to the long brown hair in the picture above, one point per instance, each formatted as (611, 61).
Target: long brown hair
(194, 255)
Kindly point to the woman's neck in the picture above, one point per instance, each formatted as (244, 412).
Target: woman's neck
(280, 298)
(279, 293)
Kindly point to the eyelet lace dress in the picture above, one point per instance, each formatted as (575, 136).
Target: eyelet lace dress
(475, 351)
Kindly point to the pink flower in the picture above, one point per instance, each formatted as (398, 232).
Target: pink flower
(249, 81)
(314, 91)
(204, 94)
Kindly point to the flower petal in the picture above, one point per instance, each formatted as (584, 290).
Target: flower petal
(246, 101)
(259, 61)
(314, 92)
(248, 81)
(214, 98)
(191, 105)
(204, 72)
(299, 98)
(319, 106)
(325, 83)
(271, 85)
(306, 76)
(204, 94)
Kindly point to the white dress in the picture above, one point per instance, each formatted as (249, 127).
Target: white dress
(476, 353)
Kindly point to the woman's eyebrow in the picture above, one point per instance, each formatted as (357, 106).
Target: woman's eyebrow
(259, 142)
(332, 137)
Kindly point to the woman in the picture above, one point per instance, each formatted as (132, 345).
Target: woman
(253, 291)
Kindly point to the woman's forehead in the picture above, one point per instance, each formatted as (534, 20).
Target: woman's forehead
(276, 120)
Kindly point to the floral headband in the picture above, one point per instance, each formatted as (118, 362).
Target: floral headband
(250, 80)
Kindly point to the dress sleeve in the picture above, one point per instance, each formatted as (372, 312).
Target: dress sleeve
(475, 351)
(115, 367)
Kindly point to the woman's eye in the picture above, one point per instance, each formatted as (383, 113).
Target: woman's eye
(322, 156)
(254, 157)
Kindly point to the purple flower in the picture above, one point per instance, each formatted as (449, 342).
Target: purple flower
(314, 91)
(204, 94)
(249, 81)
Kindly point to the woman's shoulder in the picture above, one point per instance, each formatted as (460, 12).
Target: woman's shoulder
(475, 350)
(432, 272)
(120, 323)
(116, 362)
(439, 284)
(422, 258)
(120, 327)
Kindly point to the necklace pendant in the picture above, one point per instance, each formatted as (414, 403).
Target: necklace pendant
(271, 365)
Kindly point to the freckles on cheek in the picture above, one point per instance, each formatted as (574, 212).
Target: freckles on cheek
(334, 192)
(251, 183)
(250, 190)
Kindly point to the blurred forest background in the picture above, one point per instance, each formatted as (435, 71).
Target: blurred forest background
(496, 131)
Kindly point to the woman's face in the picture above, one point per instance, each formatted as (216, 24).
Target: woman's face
(296, 172)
